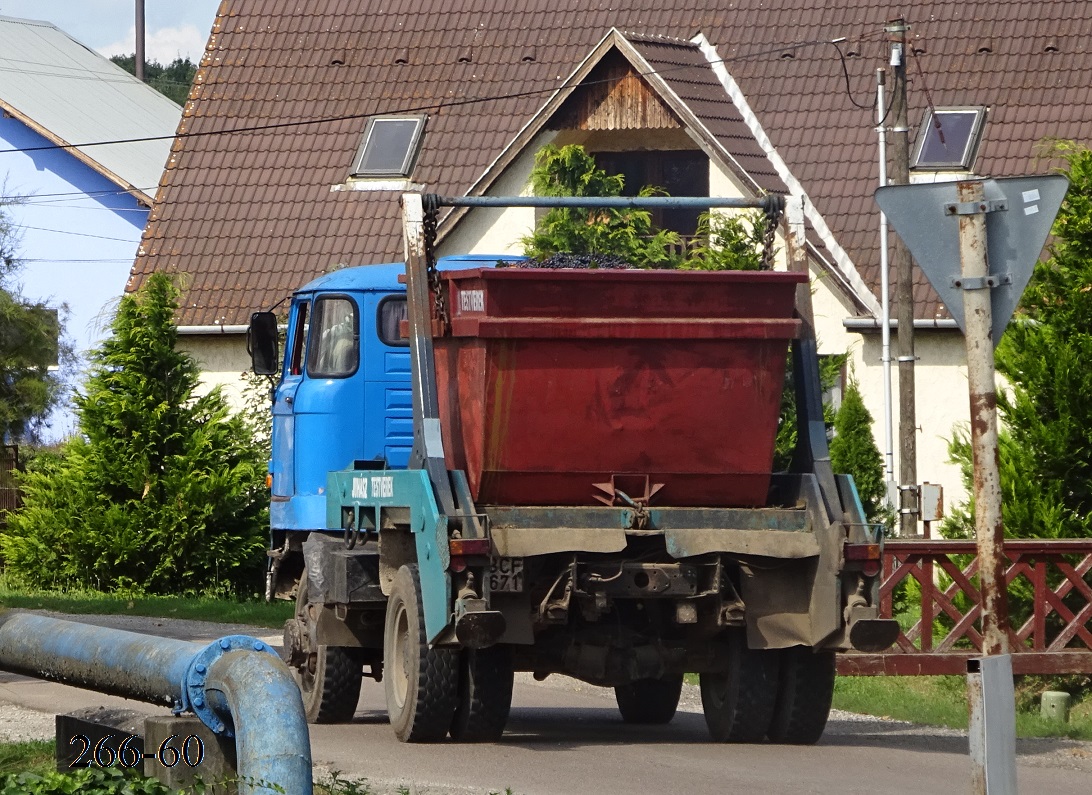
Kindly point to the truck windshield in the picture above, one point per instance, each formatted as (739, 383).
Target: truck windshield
(333, 350)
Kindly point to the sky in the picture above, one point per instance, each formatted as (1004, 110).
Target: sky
(174, 28)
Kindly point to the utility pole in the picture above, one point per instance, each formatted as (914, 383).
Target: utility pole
(138, 60)
(904, 291)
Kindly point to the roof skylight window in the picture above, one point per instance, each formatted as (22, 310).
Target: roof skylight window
(389, 147)
(948, 138)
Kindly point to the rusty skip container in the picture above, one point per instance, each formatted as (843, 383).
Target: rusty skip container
(558, 387)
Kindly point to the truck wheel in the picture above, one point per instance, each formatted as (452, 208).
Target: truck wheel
(328, 676)
(739, 705)
(485, 695)
(649, 701)
(421, 683)
(330, 692)
(804, 694)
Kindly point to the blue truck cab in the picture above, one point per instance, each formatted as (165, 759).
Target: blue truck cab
(344, 391)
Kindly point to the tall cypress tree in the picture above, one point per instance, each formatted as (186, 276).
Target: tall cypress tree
(163, 492)
(853, 451)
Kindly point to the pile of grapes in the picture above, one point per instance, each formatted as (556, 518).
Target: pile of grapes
(578, 262)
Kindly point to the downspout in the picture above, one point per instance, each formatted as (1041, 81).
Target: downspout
(237, 686)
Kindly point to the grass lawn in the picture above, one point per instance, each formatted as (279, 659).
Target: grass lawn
(196, 608)
(36, 756)
(942, 701)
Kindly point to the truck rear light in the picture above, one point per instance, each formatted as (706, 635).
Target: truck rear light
(470, 546)
(866, 556)
(863, 551)
(269, 481)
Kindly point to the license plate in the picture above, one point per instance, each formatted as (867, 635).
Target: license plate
(506, 575)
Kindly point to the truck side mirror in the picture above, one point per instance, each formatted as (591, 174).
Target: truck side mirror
(261, 343)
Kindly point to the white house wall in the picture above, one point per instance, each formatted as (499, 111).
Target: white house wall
(940, 384)
(489, 230)
(222, 359)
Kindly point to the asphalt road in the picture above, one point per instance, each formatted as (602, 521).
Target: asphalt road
(565, 738)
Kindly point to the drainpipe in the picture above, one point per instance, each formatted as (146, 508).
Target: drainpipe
(237, 686)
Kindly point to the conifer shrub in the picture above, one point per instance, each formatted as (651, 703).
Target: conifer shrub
(853, 452)
(162, 491)
(627, 233)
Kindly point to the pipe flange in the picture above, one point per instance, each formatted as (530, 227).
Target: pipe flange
(194, 698)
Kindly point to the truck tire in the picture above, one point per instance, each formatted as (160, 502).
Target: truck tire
(649, 701)
(485, 695)
(329, 677)
(421, 683)
(804, 695)
(331, 691)
(739, 705)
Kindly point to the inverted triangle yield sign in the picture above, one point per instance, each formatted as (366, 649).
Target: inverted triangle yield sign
(1016, 231)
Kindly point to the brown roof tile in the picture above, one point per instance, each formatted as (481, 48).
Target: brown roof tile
(249, 215)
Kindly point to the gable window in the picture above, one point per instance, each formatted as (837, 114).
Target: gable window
(389, 146)
(948, 139)
(680, 173)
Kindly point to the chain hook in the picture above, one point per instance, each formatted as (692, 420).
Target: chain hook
(431, 206)
(773, 207)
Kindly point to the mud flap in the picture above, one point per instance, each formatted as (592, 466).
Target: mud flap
(476, 627)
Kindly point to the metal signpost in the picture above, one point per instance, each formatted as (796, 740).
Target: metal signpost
(1002, 227)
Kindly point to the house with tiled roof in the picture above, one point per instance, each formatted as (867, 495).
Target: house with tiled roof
(77, 203)
(279, 173)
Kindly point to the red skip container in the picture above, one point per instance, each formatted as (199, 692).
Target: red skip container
(554, 383)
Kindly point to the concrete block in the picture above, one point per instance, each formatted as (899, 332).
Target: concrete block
(81, 732)
(1054, 705)
(181, 749)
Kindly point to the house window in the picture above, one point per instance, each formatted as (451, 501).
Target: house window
(389, 146)
(680, 173)
(948, 139)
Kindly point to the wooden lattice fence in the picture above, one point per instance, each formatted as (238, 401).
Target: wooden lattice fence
(1050, 587)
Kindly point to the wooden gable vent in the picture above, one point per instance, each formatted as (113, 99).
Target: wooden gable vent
(614, 97)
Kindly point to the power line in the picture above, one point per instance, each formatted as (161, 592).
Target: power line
(21, 198)
(432, 106)
(77, 234)
(127, 260)
(67, 204)
(95, 76)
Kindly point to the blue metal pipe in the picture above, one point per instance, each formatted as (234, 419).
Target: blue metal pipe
(107, 660)
(237, 686)
(268, 719)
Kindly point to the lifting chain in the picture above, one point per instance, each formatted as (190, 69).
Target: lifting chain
(773, 209)
(431, 213)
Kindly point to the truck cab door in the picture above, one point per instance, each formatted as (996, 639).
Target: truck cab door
(328, 403)
(282, 465)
